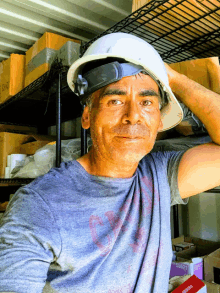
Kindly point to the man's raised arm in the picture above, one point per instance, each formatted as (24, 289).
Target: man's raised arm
(204, 103)
(199, 168)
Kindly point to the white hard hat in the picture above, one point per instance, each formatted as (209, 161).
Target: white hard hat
(137, 51)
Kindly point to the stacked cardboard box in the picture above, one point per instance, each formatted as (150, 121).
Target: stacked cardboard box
(212, 287)
(212, 267)
(19, 71)
(9, 144)
(136, 4)
(34, 142)
(41, 55)
(201, 260)
(18, 129)
(14, 143)
(191, 260)
(205, 71)
(11, 76)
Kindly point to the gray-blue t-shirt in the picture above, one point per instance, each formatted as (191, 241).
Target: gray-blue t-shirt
(84, 233)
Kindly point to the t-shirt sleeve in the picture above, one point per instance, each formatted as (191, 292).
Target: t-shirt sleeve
(172, 173)
(29, 242)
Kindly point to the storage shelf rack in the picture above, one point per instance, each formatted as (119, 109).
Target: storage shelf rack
(178, 29)
(40, 104)
(14, 182)
(35, 105)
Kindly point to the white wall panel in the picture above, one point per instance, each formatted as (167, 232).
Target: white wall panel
(201, 217)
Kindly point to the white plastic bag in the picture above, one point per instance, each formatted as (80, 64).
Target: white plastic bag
(45, 158)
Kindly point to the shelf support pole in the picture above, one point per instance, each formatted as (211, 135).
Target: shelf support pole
(58, 122)
(176, 221)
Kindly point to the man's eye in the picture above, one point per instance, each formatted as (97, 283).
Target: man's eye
(115, 102)
(147, 103)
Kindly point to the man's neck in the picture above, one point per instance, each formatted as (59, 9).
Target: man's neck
(102, 167)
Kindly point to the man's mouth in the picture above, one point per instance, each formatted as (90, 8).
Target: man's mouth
(129, 138)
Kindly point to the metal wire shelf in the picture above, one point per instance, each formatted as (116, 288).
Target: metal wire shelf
(178, 29)
(14, 182)
(36, 104)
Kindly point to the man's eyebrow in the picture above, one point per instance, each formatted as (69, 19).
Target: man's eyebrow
(147, 93)
(112, 92)
(142, 93)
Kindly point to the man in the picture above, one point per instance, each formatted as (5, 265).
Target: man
(102, 223)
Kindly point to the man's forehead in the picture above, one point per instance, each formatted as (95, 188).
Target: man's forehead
(145, 83)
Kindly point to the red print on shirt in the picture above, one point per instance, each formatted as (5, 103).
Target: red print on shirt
(149, 193)
(115, 222)
(127, 215)
(93, 222)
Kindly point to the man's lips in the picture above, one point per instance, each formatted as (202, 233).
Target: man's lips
(129, 137)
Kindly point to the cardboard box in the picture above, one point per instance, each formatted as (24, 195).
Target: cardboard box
(212, 287)
(41, 55)
(34, 142)
(191, 261)
(205, 71)
(17, 129)
(68, 53)
(187, 263)
(14, 143)
(177, 240)
(212, 267)
(11, 76)
(136, 4)
(204, 247)
(9, 144)
(193, 285)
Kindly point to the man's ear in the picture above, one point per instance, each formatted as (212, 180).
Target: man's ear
(85, 120)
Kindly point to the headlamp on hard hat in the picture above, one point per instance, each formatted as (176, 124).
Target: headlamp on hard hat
(96, 78)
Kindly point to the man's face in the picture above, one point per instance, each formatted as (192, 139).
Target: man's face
(124, 119)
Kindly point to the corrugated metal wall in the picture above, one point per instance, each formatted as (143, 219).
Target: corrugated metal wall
(22, 22)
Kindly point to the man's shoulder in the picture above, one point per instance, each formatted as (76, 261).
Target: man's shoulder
(160, 160)
(56, 178)
(160, 156)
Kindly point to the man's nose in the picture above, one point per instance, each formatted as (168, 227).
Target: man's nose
(132, 113)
